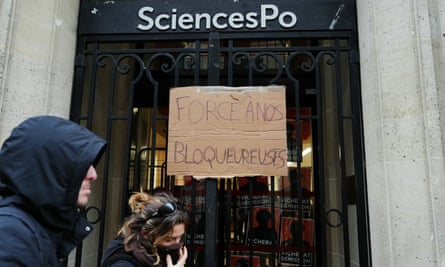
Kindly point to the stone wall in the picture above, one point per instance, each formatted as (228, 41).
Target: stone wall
(37, 46)
(400, 64)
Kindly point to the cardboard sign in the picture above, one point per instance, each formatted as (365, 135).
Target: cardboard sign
(227, 131)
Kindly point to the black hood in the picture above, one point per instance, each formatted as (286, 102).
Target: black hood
(43, 163)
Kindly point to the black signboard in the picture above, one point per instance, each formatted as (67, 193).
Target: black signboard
(149, 16)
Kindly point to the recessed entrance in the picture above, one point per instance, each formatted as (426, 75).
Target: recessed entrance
(314, 216)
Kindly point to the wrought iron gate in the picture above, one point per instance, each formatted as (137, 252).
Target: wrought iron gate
(121, 91)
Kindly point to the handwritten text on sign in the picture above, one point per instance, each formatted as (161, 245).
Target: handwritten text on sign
(227, 131)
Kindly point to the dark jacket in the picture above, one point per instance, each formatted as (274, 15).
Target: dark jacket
(42, 165)
(115, 256)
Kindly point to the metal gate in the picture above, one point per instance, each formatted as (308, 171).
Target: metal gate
(317, 214)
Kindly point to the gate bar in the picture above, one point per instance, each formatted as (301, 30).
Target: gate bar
(211, 202)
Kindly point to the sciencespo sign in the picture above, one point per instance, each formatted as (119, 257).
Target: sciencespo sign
(185, 21)
(148, 16)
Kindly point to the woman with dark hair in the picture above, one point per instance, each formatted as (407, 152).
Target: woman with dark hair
(152, 236)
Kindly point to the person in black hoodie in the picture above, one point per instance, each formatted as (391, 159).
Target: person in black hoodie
(46, 167)
(152, 236)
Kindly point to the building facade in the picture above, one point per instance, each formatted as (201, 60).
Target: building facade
(401, 57)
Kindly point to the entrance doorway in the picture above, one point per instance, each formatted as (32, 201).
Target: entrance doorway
(315, 216)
